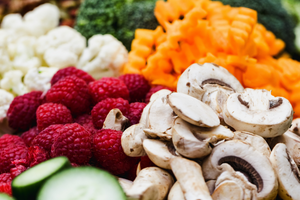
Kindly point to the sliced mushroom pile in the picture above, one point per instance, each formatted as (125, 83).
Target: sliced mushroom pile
(212, 140)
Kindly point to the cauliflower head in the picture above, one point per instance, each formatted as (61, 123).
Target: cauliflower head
(5, 101)
(5, 63)
(39, 79)
(61, 47)
(12, 82)
(34, 23)
(104, 56)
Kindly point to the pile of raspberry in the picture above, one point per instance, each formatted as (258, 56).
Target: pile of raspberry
(68, 120)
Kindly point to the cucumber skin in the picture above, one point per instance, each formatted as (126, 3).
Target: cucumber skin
(4, 196)
(30, 192)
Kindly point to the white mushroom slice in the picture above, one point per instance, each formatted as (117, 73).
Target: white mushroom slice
(132, 141)
(287, 172)
(159, 152)
(160, 93)
(176, 192)
(233, 185)
(292, 142)
(195, 142)
(216, 96)
(258, 142)
(193, 79)
(193, 110)
(211, 186)
(244, 158)
(189, 175)
(152, 183)
(125, 184)
(295, 128)
(160, 119)
(258, 112)
(115, 120)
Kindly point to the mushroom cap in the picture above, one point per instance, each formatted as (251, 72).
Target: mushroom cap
(193, 141)
(192, 110)
(287, 172)
(193, 79)
(259, 112)
(176, 192)
(244, 158)
(159, 152)
(295, 128)
(115, 120)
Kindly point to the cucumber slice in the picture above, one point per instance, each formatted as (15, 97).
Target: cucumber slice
(4, 196)
(27, 184)
(82, 183)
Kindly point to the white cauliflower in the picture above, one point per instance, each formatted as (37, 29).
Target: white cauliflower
(5, 100)
(5, 63)
(12, 82)
(61, 47)
(38, 79)
(35, 23)
(104, 56)
(23, 53)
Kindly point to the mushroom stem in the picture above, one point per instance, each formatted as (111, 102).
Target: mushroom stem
(189, 175)
(115, 120)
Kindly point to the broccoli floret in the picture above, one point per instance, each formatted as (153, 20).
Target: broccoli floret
(117, 17)
(273, 16)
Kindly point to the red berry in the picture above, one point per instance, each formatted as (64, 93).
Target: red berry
(46, 137)
(109, 153)
(72, 92)
(108, 87)
(21, 113)
(137, 85)
(9, 154)
(5, 183)
(87, 123)
(71, 71)
(7, 139)
(146, 162)
(36, 155)
(100, 111)
(15, 171)
(29, 135)
(135, 112)
(52, 113)
(153, 90)
(73, 142)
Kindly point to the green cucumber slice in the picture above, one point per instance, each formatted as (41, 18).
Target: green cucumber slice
(27, 184)
(4, 196)
(82, 183)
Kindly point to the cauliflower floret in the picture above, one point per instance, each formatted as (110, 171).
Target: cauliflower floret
(38, 79)
(23, 53)
(36, 22)
(12, 82)
(5, 100)
(5, 63)
(104, 56)
(61, 47)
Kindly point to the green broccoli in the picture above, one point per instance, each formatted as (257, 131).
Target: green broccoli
(117, 17)
(273, 16)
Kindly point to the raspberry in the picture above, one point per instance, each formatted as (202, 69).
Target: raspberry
(109, 153)
(5, 183)
(73, 142)
(87, 123)
(137, 85)
(108, 87)
(71, 71)
(9, 154)
(46, 137)
(36, 155)
(21, 112)
(7, 139)
(135, 112)
(153, 90)
(29, 135)
(17, 171)
(72, 92)
(146, 162)
(100, 111)
(52, 113)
